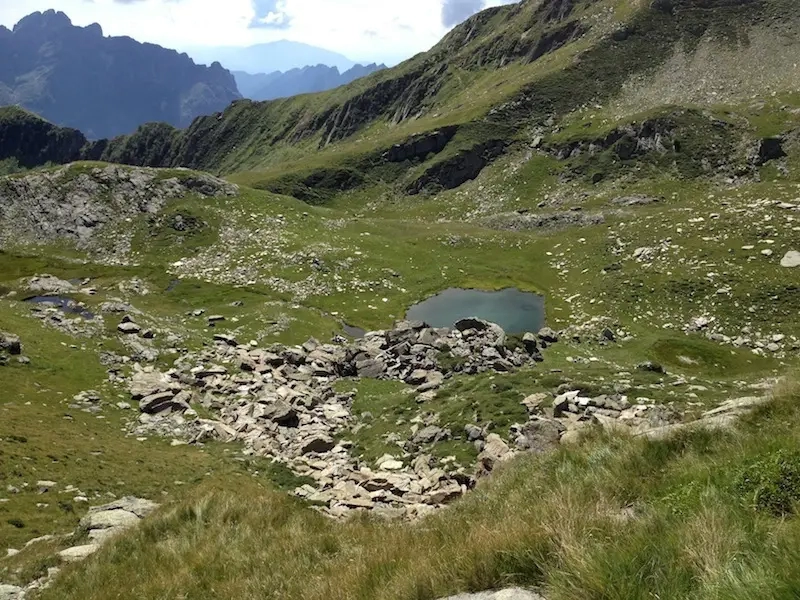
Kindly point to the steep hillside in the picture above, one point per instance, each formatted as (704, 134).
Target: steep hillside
(510, 73)
(104, 86)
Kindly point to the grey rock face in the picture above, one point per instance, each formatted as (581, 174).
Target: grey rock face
(57, 205)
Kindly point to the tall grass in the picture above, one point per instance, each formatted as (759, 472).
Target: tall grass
(615, 519)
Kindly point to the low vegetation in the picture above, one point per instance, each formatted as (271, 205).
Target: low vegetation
(705, 515)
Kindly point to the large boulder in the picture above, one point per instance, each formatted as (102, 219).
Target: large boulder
(11, 592)
(78, 553)
(541, 435)
(165, 402)
(495, 451)
(145, 384)
(282, 413)
(791, 259)
(10, 343)
(47, 284)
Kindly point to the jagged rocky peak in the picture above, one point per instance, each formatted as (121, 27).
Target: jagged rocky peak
(47, 20)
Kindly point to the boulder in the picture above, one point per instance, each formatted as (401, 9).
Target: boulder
(129, 328)
(371, 369)
(109, 519)
(541, 435)
(282, 413)
(473, 433)
(11, 592)
(47, 284)
(791, 259)
(138, 506)
(78, 553)
(430, 435)
(165, 401)
(318, 444)
(10, 343)
(146, 384)
(547, 335)
(226, 339)
(533, 403)
(495, 451)
(417, 377)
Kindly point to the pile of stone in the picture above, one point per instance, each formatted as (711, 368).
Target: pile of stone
(281, 402)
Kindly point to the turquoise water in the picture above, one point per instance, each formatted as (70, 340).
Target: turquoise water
(513, 310)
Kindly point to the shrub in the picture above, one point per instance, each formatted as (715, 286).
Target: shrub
(772, 484)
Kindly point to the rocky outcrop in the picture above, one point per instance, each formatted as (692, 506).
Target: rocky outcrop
(421, 146)
(98, 526)
(453, 172)
(74, 202)
(105, 522)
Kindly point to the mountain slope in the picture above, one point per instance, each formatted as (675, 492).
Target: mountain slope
(104, 86)
(502, 72)
(307, 80)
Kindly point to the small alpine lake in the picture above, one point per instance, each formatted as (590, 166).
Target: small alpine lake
(514, 310)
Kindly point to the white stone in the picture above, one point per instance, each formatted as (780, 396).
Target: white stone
(11, 592)
(391, 465)
(78, 553)
(791, 259)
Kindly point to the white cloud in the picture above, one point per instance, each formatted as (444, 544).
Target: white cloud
(364, 30)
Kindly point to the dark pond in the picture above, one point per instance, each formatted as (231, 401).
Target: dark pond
(65, 305)
(513, 310)
(353, 331)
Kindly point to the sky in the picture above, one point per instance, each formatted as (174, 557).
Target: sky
(363, 30)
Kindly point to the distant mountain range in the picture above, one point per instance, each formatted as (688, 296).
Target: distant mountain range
(298, 81)
(104, 86)
(109, 86)
(281, 56)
